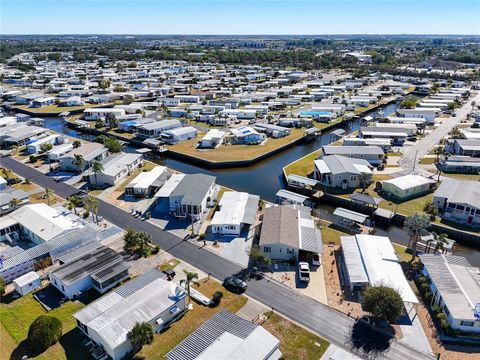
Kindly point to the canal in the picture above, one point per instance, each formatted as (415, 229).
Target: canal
(265, 178)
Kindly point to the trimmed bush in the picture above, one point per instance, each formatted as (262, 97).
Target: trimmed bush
(43, 333)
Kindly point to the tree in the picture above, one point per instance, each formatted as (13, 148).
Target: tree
(141, 334)
(127, 99)
(113, 145)
(91, 205)
(111, 119)
(129, 239)
(430, 209)
(45, 148)
(44, 331)
(73, 203)
(97, 168)
(383, 302)
(259, 257)
(217, 297)
(32, 158)
(79, 161)
(409, 102)
(364, 180)
(76, 144)
(440, 241)
(455, 133)
(2, 286)
(137, 243)
(416, 226)
(48, 194)
(191, 277)
(14, 203)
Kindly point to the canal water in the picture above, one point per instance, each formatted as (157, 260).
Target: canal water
(265, 178)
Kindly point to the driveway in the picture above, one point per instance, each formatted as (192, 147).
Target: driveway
(326, 322)
(412, 330)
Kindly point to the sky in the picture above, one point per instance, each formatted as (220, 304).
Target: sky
(218, 17)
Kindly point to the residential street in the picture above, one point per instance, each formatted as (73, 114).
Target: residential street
(415, 153)
(327, 322)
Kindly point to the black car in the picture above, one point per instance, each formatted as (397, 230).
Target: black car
(234, 283)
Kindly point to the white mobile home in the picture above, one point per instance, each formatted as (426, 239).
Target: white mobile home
(27, 283)
(101, 113)
(175, 136)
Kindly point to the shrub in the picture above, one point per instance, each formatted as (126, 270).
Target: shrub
(43, 333)
(2, 286)
(383, 302)
(156, 250)
(32, 159)
(217, 297)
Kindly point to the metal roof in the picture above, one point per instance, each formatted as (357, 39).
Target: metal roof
(226, 336)
(290, 195)
(302, 180)
(350, 215)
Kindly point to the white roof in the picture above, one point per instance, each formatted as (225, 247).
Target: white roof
(170, 185)
(45, 221)
(105, 110)
(26, 279)
(114, 315)
(146, 178)
(408, 181)
(214, 134)
(2, 180)
(118, 163)
(232, 208)
(373, 259)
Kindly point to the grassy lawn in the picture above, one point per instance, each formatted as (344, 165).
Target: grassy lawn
(234, 152)
(168, 265)
(303, 166)
(7, 173)
(471, 177)
(16, 317)
(401, 252)
(54, 108)
(330, 233)
(427, 160)
(295, 341)
(181, 329)
(26, 187)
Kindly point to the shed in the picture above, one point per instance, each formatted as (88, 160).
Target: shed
(27, 283)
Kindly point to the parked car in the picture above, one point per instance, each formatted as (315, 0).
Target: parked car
(304, 271)
(234, 283)
(316, 260)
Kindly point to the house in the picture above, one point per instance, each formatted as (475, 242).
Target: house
(410, 129)
(58, 151)
(180, 134)
(373, 154)
(147, 298)
(342, 172)
(407, 186)
(212, 138)
(17, 261)
(35, 146)
(102, 113)
(350, 219)
(116, 168)
(147, 182)
(396, 135)
(455, 286)
(429, 114)
(43, 101)
(460, 164)
(7, 120)
(235, 211)
(459, 201)
(19, 134)
(288, 231)
(40, 223)
(101, 269)
(11, 199)
(245, 135)
(90, 152)
(186, 196)
(27, 283)
(463, 147)
(242, 114)
(371, 260)
(156, 128)
(471, 133)
(227, 336)
(132, 125)
(271, 130)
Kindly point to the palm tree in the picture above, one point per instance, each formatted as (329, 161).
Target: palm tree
(416, 227)
(79, 161)
(91, 204)
(441, 240)
(48, 194)
(364, 179)
(73, 203)
(140, 335)
(97, 167)
(191, 277)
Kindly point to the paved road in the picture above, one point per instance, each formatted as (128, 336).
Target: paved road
(415, 153)
(327, 322)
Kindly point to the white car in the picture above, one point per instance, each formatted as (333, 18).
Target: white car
(304, 271)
